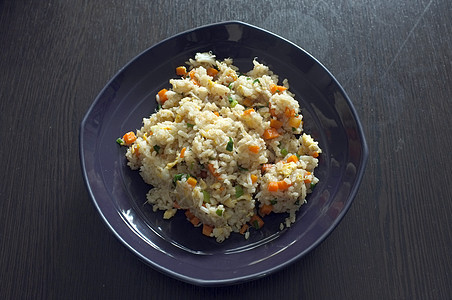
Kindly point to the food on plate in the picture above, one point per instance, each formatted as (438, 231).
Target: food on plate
(227, 148)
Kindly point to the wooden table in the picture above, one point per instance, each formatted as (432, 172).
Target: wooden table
(394, 59)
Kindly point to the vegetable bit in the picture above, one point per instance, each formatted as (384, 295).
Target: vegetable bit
(270, 133)
(238, 191)
(282, 185)
(230, 145)
(120, 141)
(284, 152)
(192, 181)
(289, 113)
(192, 218)
(244, 228)
(256, 222)
(265, 209)
(178, 177)
(212, 72)
(207, 230)
(213, 171)
(248, 112)
(253, 178)
(206, 196)
(272, 186)
(181, 71)
(265, 167)
(232, 102)
(156, 148)
(182, 152)
(294, 122)
(129, 138)
(254, 149)
(292, 158)
(193, 78)
(162, 96)
(274, 123)
(277, 88)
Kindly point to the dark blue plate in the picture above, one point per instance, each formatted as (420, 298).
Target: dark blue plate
(176, 248)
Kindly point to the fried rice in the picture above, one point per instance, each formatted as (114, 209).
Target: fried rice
(225, 147)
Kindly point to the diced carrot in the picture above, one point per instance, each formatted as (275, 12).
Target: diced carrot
(274, 123)
(292, 158)
(256, 222)
(248, 102)
(135, 150)
(176, 205)
(272, 110)
(213, 171)
(289, 112)
(216, 113)
(162, 95)
(193, 78)
(192, 181)
(315, 154)
(277, 88)
(265, 167)
(181, 71)
(272, 88)
(192, 218)
(265, 209)
(282, 185)
(195, 221)
(182, 152)
(280, 88)
(294, 122)
(189, 214)
(272, 186)
(253, 178)
(244, 228)
(307, 180)
(129, 137)
(212, 72)
(270, 133)
(254, 148)
(248, 112)
(206, 229)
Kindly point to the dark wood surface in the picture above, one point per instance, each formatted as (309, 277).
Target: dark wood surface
(393, 59)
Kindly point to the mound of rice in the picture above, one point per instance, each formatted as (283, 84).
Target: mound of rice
(225, 147)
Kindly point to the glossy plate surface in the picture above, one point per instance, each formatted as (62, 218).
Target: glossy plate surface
(176, 248)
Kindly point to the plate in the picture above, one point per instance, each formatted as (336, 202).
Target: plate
(176, 248)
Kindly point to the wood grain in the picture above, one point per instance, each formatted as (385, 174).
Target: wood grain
(394, 61)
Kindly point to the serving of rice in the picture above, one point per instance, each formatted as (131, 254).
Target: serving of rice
(225, 147)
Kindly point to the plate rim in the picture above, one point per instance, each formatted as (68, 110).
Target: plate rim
(267, 271)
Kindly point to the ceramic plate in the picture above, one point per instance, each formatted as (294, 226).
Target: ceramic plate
(173, 246)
